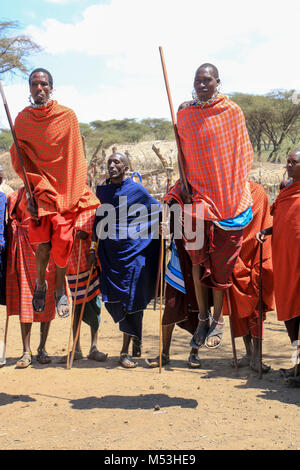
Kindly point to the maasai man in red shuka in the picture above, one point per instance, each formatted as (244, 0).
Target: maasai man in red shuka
(244, 292)
(51, 145)
(217, 159)
(286, 255)
(20, 279)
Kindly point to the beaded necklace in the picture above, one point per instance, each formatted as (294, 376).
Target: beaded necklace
(198, 102)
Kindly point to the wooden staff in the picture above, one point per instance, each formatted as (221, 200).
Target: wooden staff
(161, 277)
(260, 312)
(3, 358)
(231, 331)
(179, 151)
(29, 193)
(297, 351)
(74, 303)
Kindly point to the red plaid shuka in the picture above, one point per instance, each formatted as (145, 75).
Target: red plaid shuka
(217, 158)
(85, 223)
(21, 269)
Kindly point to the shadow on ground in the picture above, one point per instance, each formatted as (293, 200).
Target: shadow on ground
(144, 402)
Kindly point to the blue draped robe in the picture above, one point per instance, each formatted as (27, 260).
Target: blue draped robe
(128, 266)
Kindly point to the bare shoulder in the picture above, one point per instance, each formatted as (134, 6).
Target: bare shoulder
(185, 104)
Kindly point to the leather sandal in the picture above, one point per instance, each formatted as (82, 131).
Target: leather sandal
(194, 361)
(39, 298)
(24, 361)
(213, 331)
(200, 334)
(155, 362)
(126, 361)
(42, 357)
(61, 301)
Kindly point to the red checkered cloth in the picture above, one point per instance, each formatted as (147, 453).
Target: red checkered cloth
(85, 223)
(21, 269)
(51, 145)
(217, 158)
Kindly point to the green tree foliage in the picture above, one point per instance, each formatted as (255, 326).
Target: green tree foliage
(6, 139)
(14, 48)
(273, 121)
(125, 131)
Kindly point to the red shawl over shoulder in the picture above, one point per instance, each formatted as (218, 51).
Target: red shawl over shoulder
(217, 158)
(286, 252)
(51, 145)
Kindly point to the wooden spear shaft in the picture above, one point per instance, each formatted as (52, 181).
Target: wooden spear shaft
(260, 312)
(74, 304)
(179, 151)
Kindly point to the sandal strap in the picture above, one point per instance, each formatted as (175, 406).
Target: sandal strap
(216, 321)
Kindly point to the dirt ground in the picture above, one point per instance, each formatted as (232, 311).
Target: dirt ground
(103, 406)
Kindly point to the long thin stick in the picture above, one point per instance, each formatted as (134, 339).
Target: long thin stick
(297, 352)
(231, 331)
(161, 261)
(26, 180)
(74, 303)
(3, 358)
(260, 312)
(179, 151)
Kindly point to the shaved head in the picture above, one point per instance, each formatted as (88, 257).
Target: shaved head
(212, 67)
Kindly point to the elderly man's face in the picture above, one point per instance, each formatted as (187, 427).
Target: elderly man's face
(205, 83)
(116, 168)
(293, 166)
(40, 88)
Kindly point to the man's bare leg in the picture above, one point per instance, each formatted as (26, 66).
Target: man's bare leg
(62, 305)
(201, 292)
(26, 332)
(217, 321)
(25, 360)
(41, 261)
(125, 360)
(94, 353)
(42, 356)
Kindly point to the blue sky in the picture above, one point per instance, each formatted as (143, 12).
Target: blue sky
(104, 55)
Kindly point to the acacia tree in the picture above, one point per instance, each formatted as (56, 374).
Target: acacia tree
(14, 48)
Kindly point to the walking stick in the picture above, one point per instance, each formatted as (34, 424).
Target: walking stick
(161, 274)
(260, 312)
(3, 355)
(179, 151)
(161, 292)
(231, 331)
(28, 190)
(74, 304)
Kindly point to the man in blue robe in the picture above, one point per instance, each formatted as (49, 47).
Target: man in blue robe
(127, 224)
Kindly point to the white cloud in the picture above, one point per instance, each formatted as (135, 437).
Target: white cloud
(254, 45)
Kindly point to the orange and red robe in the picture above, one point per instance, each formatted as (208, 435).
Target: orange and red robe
(217, 158)
(21, 269)
(52, 150)
(244, 292)
(286, 252)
